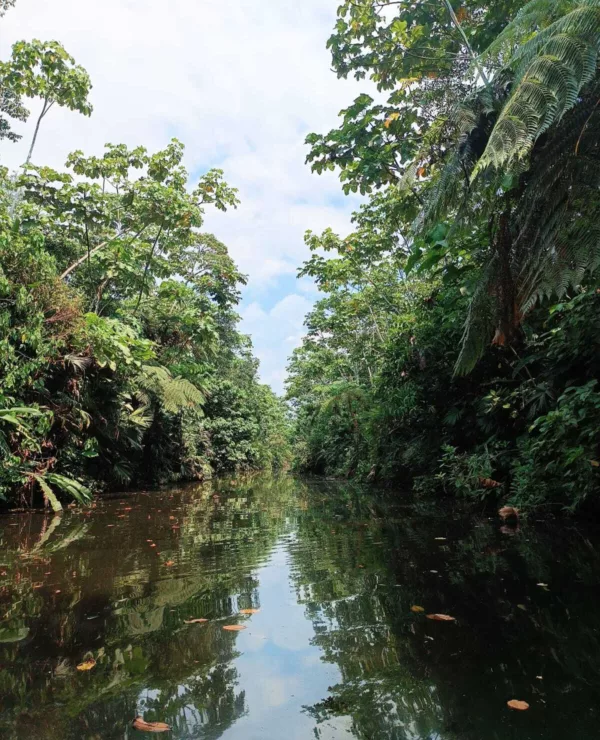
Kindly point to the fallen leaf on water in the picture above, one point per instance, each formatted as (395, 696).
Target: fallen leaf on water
(508, 512)
(87, 665)
(522, 607)
(195, 621)
(440, 539)
(521, 706)
(143, 726)
(543, 585)
(169, 563)
(249, 611)
(234, 627)
(417, 609)
(441, 618)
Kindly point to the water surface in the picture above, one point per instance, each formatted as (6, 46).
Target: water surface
(335, 651)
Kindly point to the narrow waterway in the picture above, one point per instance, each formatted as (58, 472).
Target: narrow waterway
(338, 645)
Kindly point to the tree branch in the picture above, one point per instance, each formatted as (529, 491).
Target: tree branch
(91, 253)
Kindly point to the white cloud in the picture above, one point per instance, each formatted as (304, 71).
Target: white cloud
(276, 333)
(241, 84)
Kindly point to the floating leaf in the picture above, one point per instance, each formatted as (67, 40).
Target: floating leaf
(140, 724)
(595, 463)
(234, 627)
(195, 621)
(521, 706)
(249, 611)
(417, 609)
(87, 665)
(441, 618)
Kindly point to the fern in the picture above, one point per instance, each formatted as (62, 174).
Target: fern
(549, 71)
(174, 394)
(539, 122)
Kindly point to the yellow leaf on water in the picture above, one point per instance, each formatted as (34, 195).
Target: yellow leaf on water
(234, 627)
(521, 706)
(143, 726)
(249, 611)
(87, 665)
(195, 621)
(441, 618)
(417, 609)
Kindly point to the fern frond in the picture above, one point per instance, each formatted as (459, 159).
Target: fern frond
(550, 70)
(174, 394)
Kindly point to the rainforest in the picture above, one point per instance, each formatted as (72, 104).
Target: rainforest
(395, 537)
(456, 342)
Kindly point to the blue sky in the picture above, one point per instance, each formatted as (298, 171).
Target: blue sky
(241, 84)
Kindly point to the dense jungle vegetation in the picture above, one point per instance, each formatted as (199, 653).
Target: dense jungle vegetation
(120, 357)
(456, 342)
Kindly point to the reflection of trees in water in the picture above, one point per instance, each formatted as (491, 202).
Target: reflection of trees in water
(147, 658)
(405, 677)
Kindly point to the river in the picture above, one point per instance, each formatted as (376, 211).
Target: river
(337, 645)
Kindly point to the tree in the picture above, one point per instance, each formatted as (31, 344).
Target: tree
(502, 126)
(45, 70)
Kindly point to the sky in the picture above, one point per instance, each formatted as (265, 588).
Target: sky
(241, 84)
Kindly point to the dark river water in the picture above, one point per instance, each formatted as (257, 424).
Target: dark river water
(334, 652)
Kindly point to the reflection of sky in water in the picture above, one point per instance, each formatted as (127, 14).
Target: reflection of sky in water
(279, 669)
(335, 652)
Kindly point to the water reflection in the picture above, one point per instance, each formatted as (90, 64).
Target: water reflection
(335, 650)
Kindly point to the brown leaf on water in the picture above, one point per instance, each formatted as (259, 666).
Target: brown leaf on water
(520, 706)
(234, 627)
(508, 512)
(441, 618)
(417, 609)
(87, 665)
(195, 621)
(143, 726)
(249, 611)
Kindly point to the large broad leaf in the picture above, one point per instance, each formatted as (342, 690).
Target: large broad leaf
(49, 494)
(75, 489)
